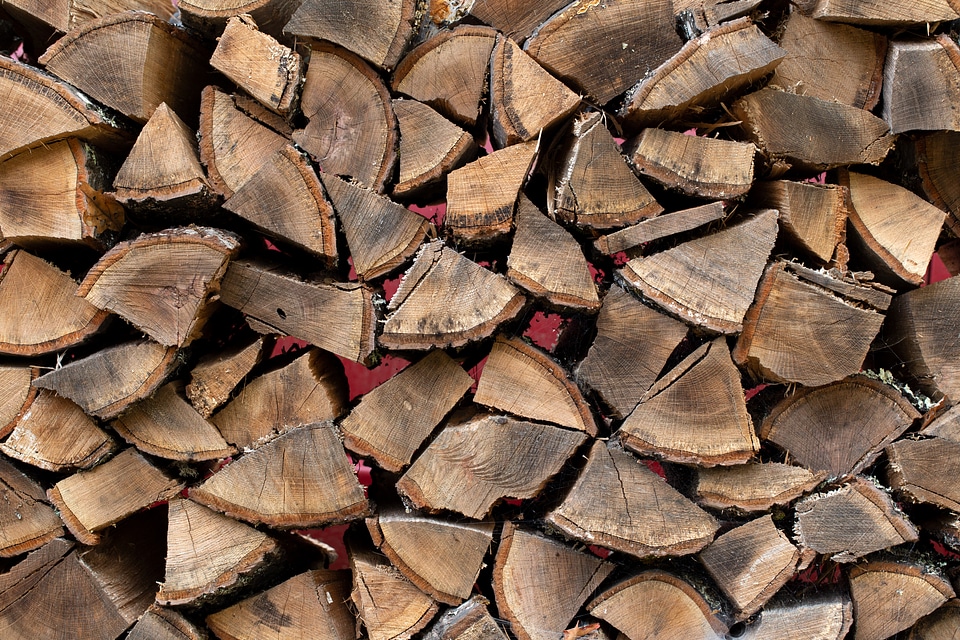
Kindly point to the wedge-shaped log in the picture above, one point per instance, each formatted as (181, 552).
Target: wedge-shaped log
(163, 283)
(539, 583)
(447, 300)
(812, 216)
(839, 428)
(393, 420)
(753, 486)
(64, 15)
(798, 331)
(430, 147)
(516, 21)
(27, 521)
(125, 374)
(926, 471)
(161, 623)
(132, 62)
(662, 226)
(441, 557)
(90, 501)
(208, 554)
(723, 60)
(710, 281)
(310, 604)
(351, 128)
(54, 195)
(214, 378)
(210, 16)
(337, 316)
(695, 414)
(657, 605)
(820, 617)
(471, 466)
(937, 155)
(16, 394)
(316, 487)
(889, 597)
(880, 14)
(590, 183)
(471, 619)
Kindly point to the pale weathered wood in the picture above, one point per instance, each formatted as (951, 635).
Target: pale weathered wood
(63, 15)
(661, 226)
(517, 20)
(926, 471)
(812, 216)
(216, 375)
(879, 13)
(854, 286)
(27, 521)
(753, 486)
(430, 147)
(161, 623)
(889, 597)
(821, 617)
(16, 394)
(471, 620)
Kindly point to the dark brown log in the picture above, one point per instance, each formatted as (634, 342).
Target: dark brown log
(469, 620)
(662, 226)
(16, 394)
(821, 617)
(812, 216)
(753, 486)
(27, 521)
(430, 147)
(516, 20)
(889, 597)
(215, 377)
(926, 471)
(880, 14)
(160, 623)
(942, 624)
(936, 157)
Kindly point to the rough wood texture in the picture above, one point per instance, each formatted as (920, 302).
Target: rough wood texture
(812, 216)
(878, 13)
(942, 624)
(889, 597)
(27, 521)
(515, 20)
(926, 471)
(430, 147)
(159, 623)
(16, 394)
(662, 226)
(870, 294)
(821, 617)
(216, 375)
(63, 15)
(753, 486)
(210, 16)
(936, 157)
(471, 621)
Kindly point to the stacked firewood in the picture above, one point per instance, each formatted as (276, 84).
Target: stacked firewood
(220, 221)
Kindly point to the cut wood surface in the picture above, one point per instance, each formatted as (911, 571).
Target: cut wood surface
(515, 20)
(827, 617)
(210, 16)
(921, 83)
(936, 156)
(64, 15)
(471, 619)
(753, 486)
(925, 471)
(430, 147)
(27, 521)
(889, 597)
(16, 394)
(662, 226)
(879, 13)
(812, 216)
(942, 624)
(160, 623)
(215, 377)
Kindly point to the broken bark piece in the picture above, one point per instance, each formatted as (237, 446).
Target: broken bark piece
(316, 486)
(656, 604)
(208, 554)
(939, 625)
(640, 513)
(430, 147)
(714, 429)
(723, 60)
(750, 563)
(539, 583)
(590, 183)
(889, 597)
(821, 617)
(442, 558)
(849, 285)
(469, 467)
(797, 331)
(27, 521)
(926, 471)
(133, 42)
(214, 378)
(811, 133)
(516, 21)
(351, 128)
(50, 317)
(125, 374)
(258, 64)
(210, 16)
(880, 14)
(311, 603)
(90, 501)
(753, 486)
(812, 216)
(163, 283)
(55, 434)
(710, 281)
(16, 394)
(481, 196)
(632, 346)
(697, 166)
(470, 620)
(661, 226)
(286, 200)
(522, 380)
(394, 419)
(850, 522)
(160, 623)
(937, 155)
(54, 195)
(337, 316)
(446, 300)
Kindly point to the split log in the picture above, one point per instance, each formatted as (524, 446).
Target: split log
(317, 486)
(336, 316)
(889, 597)
(945, 424)
(812, 216)
(471, 466)
(854, 286)
(133, 42)
(516, 21)
(937, 155)
(64, 15)
(850, 522)
(215, 377)
(163, 283)
(393, 420)
(27, 521)
(710, 281)
(442, 558)
(90, 501)
(880, 14)
(632, 346)
(430, 147)
(125, 374)
(925, 471)
(447, 300)
(469, 620)
(159, 623)
(351, 128)
(939, 625)
(662, 226)
(753, 486)
(539, 583)
(822, 617)
(210, 16)
(16, 394)
(801, 331)
(839, 428)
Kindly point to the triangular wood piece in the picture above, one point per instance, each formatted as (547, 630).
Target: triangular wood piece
(316, 487)
(441, 557)
(540, 583)
(430, 147)
(839, 428)
(16, 394)
(661, 226)
(695, 414)
(943, 424)
(471, 619)
(812, 216)
(285, 200)
(336, 316)
(889, 597)
(937, 154)
(125, 374)
(160, 623)
(310, 389)
(708, 282)
(482, 195)
(753, 486)
(27, 521)
(215, 377)
(548, 262)
(516, 20)
(394, 419)
(524, 381)
(55, 434)
(469, 467)
(381, 234)
(311, 604)
(449, 72)
(447, 300)
(926, 471)
(632, 346)
(208, 554)
(824, 617)
(880, 14)
(351, 129)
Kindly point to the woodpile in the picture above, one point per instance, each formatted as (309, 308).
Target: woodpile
(638, 313)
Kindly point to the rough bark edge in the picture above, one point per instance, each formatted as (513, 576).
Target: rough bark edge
(281, 521)
(564, 300)
(458, 152)
(167, 453)
(930, 187)
(377, 535)
(7, 429)
(409, 61)
(718, 501)
(80, 532)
